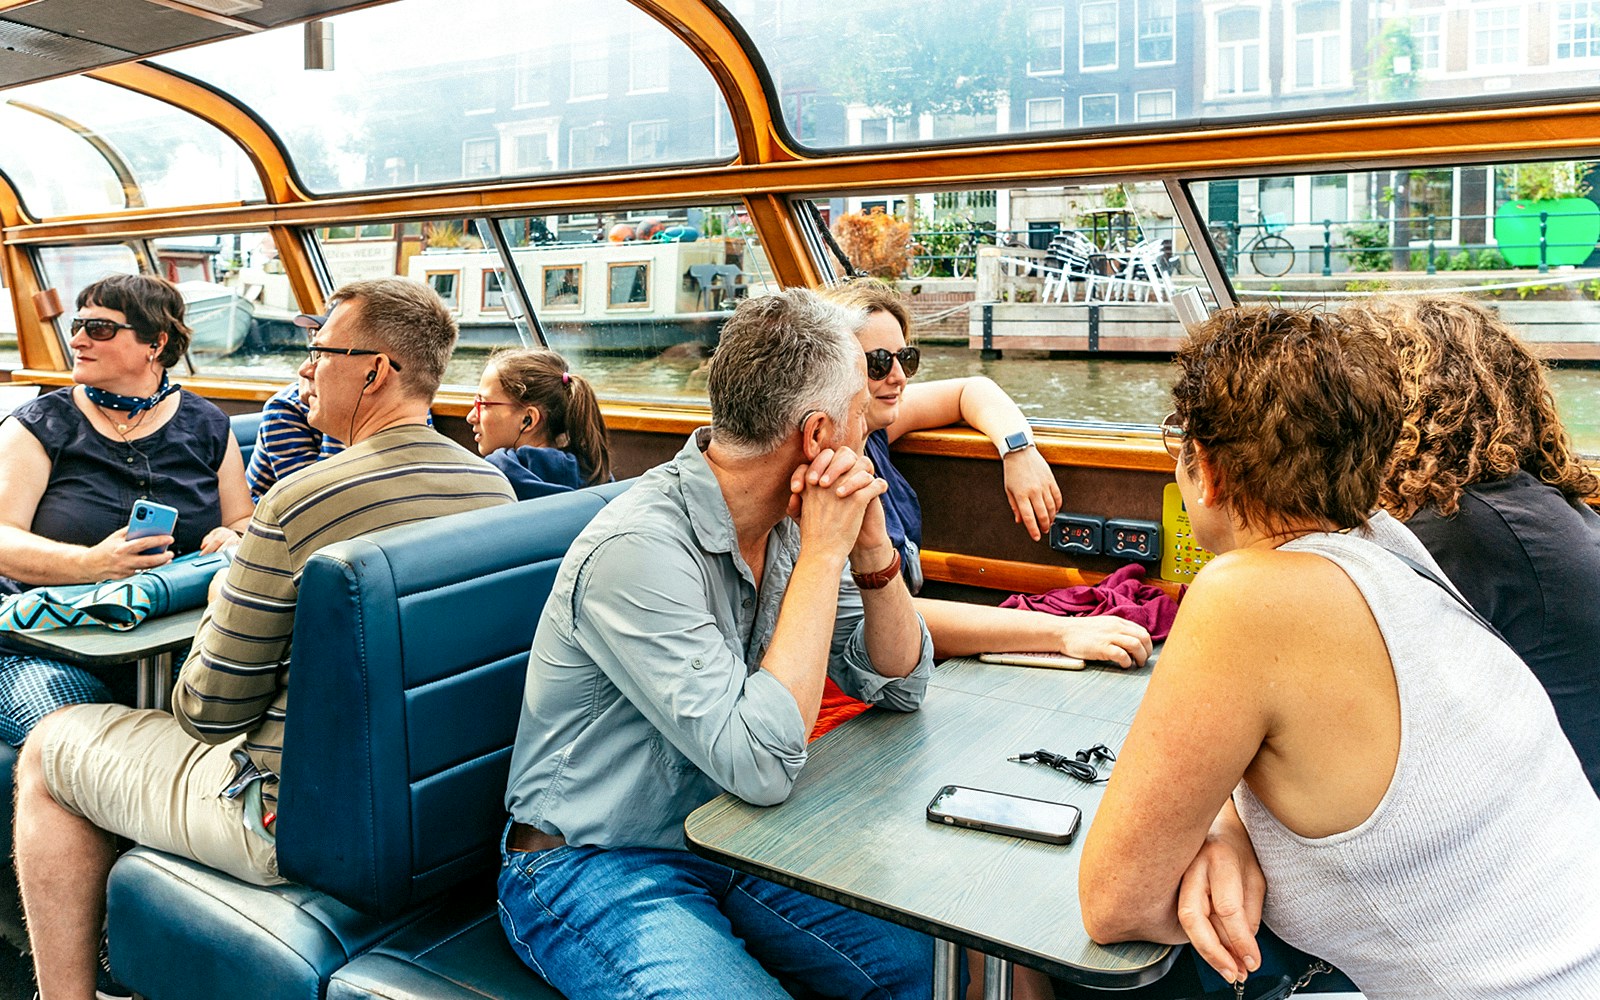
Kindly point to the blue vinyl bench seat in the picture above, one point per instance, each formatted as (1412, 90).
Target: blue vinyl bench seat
(408, 663)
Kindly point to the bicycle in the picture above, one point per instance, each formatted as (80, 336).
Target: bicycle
(963, 262)
(1270, 254)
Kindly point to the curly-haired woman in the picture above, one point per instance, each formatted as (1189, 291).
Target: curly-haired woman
(1485, 474)
(1324, 690)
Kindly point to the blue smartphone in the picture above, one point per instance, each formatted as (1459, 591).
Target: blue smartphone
(150, 518)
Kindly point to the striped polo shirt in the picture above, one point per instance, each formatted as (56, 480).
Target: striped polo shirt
(236, 679)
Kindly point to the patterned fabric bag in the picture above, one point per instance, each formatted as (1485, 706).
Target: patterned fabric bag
(120, 604)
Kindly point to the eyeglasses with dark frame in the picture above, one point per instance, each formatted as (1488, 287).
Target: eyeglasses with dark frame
(880, 362)
(349, 352)
(1173, 434)
(98, 328)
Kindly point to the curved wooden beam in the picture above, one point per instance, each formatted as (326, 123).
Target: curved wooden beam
(37, 341)
(229, 117)
(1566, 131)
(132, 196)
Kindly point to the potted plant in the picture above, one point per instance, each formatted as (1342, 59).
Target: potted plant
(1550, 198)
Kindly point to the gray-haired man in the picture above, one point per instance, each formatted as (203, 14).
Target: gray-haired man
(682, 654)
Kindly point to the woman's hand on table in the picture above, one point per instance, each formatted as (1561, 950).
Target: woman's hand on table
(1031, 491)
(117, 556)
(1220, 899)
(1104, 637)
(219, 538)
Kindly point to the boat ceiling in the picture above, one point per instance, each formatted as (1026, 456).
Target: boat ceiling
(44, 39)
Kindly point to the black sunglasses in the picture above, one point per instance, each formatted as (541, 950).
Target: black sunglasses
(880, 362)
(98, 329)
(349, 352)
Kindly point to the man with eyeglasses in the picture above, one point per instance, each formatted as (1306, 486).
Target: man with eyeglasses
(202, 783)
(285, 441)
(681, 654)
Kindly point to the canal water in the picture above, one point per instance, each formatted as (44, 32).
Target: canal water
(1119, 389)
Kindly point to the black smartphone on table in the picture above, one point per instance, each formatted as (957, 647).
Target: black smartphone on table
(999, 812)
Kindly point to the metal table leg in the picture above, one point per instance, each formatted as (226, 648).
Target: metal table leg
(155, 682)
(946, 970)
(996, 978)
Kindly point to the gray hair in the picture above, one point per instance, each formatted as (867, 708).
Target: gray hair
(407, 320)
(780, 357)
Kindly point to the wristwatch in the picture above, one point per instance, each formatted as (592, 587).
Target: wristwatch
(1015, 442)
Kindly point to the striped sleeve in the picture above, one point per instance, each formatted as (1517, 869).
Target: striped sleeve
(230, 679)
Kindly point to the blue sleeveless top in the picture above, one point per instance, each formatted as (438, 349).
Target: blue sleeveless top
(901, 511)
(94, 480)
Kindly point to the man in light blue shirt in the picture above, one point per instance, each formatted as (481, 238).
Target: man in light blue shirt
(682, 654)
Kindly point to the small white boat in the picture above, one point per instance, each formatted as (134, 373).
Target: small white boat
(219, 317)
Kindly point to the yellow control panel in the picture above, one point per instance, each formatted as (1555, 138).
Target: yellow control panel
(1181, 556)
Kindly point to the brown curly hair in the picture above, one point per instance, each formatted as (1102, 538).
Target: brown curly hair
(1478, 406)
(1297, 412)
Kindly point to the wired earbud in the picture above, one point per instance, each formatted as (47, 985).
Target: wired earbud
(372, 375)
(527, 421)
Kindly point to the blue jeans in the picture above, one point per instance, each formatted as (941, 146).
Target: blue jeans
(648, 922)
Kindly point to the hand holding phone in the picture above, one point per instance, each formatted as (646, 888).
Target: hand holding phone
(149, 518)
(998, 812)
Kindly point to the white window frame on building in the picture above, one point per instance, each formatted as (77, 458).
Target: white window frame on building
(512, 152)
(1032, 121)
(1327, 49)
(1059, 14)
(1106, 50)
(638, 139)
(1429, 58)
(1142, 99)
(577, 139)
(480, 157)
(1575, 26)
(526, 90)
(649, 54)
(1516, 46)
(1163, 16)
(1103, 99)
(589, 58)
(1245, 57)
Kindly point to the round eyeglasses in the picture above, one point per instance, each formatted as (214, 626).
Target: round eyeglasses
(1173, 434)
(880, 362)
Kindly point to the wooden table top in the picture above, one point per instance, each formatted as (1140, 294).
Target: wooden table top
(99, 646)
(854, 830)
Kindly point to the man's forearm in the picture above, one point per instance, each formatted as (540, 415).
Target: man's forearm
(798, 653)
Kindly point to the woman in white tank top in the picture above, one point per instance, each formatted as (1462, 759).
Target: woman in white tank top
(1416, 815)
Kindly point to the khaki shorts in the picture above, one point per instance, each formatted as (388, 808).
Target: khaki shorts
(136, 773)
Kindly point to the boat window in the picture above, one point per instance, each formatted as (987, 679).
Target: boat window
(628, 285)
(633, 297)
(444, 283)
(508, 88)
(494, 291)
(1060, 293)
(563, 287)
(1523, 237)
(891, 72)
(54, 170)
(159, 156)
(237, 301)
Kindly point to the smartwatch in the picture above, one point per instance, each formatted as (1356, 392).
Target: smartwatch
(1015, 442)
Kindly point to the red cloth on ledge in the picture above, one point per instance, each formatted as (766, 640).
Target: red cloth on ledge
(1123, 593)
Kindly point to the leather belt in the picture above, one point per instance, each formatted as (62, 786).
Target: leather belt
(530, 838)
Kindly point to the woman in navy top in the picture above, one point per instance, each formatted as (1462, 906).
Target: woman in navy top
(539, 423)
(1487, 478)
(896, 408)
(73, 462)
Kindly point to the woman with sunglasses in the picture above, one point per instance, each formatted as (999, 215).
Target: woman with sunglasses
(540, 424)
(1335, 743)
(72, 463)
(897, 408)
